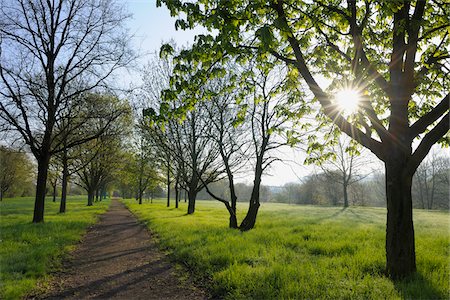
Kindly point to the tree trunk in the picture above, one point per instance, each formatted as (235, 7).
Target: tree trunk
(1, 195)
(233, 219)
(185, 196)
(62, 205)
(400, 248)
(97, 194)
(54, 191)
(250, 219)
(41, 187)
(177, 195)
(345, 186)
(168, 187)
(192, 195)
(91, 194)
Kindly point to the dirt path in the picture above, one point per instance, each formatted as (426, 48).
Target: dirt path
(118, 259)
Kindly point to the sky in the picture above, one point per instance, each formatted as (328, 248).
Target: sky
(154, 26)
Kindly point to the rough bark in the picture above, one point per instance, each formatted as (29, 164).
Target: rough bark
(400, 248)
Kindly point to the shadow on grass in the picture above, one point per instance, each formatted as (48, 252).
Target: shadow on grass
(418, 287)
(330, 217)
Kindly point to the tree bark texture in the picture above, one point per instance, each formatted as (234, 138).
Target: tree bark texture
(400, 247)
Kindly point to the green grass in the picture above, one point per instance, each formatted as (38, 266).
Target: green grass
(28, 252)
(299, 252)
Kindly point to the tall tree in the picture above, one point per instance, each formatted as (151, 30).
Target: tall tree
(228, 132)
(394, 53)
(51, 52)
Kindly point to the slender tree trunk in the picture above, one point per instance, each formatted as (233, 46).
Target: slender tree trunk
(62, 205)
(345, 186)
(41, 187)
(233, 219)
(177, 194)
(400, 248)
(1, 195)
(168, 186)
(250, 219)
(54, 191)
(185, 196)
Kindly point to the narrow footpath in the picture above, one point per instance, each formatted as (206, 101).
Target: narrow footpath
(119, 259)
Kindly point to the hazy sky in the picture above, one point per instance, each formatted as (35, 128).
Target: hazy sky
(153, 26)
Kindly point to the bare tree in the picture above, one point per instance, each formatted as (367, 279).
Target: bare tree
(271, 95)
(51, 52)
(229, 136)
(346, 166)
(428, 177)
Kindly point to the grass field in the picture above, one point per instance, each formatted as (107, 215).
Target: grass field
(299, 252)
(29, 251)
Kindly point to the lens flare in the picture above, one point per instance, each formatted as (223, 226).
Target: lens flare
(348, 100)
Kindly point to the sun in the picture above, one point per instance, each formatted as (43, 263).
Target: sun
(348, 100)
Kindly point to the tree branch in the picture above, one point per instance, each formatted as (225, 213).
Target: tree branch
(426, 120)
(428, 141)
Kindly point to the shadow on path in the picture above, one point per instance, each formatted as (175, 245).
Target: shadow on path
(118, 259)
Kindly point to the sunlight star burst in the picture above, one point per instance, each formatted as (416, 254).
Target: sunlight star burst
(348, 100)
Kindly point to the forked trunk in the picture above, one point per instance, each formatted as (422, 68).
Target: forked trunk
(41, 187)
(400, 248)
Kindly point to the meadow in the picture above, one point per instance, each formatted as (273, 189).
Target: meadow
(29, 252)
(298, 252)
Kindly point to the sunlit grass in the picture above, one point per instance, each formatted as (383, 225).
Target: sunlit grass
(29, 251)
(299, 252)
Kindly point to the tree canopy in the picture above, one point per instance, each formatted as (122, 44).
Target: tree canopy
(394, 54)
